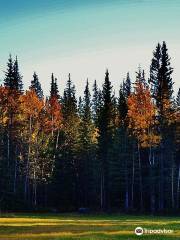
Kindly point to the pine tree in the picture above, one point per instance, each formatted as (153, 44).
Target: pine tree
(155, 71)
(36, 86)
(122, 104)
(66, 174)
(13, 79)
(105, 139)
(9, 74)
(18, 85)
(96, 102)
(86, 138)
(127, 86)
(54, 87)
(80, 107)
(178, 99)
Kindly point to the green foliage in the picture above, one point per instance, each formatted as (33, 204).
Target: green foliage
(36, 86)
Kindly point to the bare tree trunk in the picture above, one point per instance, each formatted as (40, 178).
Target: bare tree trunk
(28, 160)
(102, 190)
(15, 173)
(132, 185)
(127, 189)
(178, 188)
(140, 179)
(172, 185)
(152, 183)
(34, 185)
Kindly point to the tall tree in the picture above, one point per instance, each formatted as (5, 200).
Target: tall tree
(178, 99)
(18, 85)
(96, 102)
(105, 139)
(127, 88)
(36, 85)
(86, 140)
(67, 181)
(54, 87)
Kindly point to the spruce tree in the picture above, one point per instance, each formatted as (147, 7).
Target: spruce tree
(162, 92)
(122, 104)
(178, 99)
(18, 85)
(96, 102)
(155, 71)
(54, 92)
(9, 74)
(67, 174)
(80, 107)
(105, 139)
(13, 79)
(86, 131)
(127, 88)
(36, 86)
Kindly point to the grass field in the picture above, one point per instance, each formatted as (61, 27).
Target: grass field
(85, 227)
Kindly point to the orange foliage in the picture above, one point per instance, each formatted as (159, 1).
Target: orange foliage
(141, 115)
(53, 120)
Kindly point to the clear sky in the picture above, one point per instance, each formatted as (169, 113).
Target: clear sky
(85, 37)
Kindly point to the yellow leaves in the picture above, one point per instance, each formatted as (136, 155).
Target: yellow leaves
(30, 104)
(141, 115)
(53, 119)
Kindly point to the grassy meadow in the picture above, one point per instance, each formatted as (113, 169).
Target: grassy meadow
(85, 227)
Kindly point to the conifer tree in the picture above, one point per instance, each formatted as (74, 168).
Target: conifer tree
(127, 88)
(67, 181)
(105, 139)
(96, 103)
(36, 86)
(13, 79)
(86, 138)
(9, 74)
(54, 87)
(18, 85)
(122, 104)
(178, 99)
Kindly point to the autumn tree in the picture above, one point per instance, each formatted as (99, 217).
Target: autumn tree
(141, 116)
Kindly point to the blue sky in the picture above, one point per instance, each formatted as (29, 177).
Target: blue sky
(86, 37)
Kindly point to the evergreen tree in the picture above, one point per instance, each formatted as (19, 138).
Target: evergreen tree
(18, 85)
(80, 107)
(127, 86)
(178, 99)
(67, 182)
(122, 104)
(9, 74)
(13, 79)
(155, 71)
(105, 139)
(36, 86)
(86, 135)
(54, 87)
(96, 102)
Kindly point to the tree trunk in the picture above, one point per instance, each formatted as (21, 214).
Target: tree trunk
(152, 183)
(132, 185)
(27, 162)
(140, 179)
(178, 188)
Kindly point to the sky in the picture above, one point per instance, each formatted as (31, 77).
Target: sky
(85, 38)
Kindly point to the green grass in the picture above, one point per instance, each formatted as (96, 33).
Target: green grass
(85, 227)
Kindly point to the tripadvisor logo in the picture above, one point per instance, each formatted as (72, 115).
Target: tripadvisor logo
(139, 231)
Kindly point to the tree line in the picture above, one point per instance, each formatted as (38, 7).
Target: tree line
(102, 151)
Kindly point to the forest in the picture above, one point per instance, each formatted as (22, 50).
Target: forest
(103, 151)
